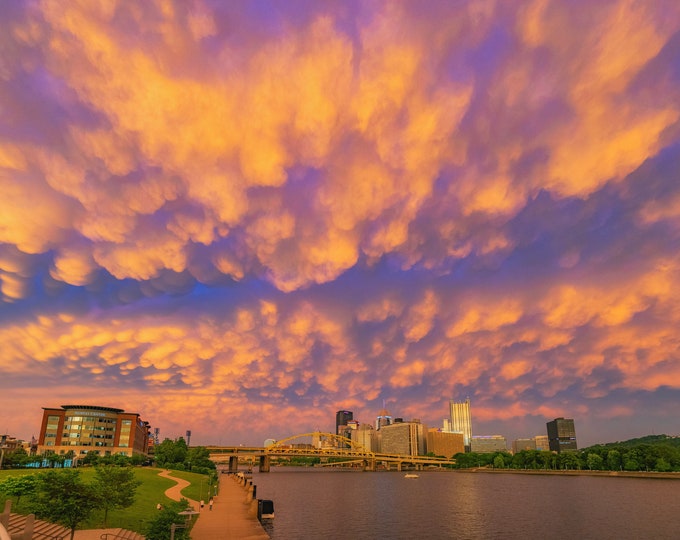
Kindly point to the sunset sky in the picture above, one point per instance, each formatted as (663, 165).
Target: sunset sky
(240, 217)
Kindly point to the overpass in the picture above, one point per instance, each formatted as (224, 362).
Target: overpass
(333, 450)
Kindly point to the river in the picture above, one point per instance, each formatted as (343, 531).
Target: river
(327, 504)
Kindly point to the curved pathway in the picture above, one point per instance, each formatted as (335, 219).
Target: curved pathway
(175, 492)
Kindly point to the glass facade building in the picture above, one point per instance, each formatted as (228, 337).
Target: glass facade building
(461, 421)
(86, 428)
(561, 435)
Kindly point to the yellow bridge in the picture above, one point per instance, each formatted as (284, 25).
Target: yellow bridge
(333, 450)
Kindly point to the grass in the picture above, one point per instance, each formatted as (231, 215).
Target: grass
(143, 510)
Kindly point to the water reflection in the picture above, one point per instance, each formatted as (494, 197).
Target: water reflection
(450, 505)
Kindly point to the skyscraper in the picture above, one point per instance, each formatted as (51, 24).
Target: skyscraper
(561, 435)
(341, 419)
(461, 420)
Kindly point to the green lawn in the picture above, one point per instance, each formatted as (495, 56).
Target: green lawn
(149, 494)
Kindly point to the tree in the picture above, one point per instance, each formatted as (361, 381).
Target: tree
(595, 462)
(91, 458)
(614, 460)
(15, 458)
(631, 465)
(662, 465)
(171, 453)
(16, 486)
(568, 460)
(198, 460)
(546, 459)
(62, 497)
(115, 487)
(159, 528)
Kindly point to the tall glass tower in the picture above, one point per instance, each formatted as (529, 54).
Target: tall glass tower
(461, 421)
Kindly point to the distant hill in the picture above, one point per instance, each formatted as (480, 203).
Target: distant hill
(653, 440)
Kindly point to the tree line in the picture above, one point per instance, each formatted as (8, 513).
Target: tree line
(651, 457)
(170, 454)
(19, 458)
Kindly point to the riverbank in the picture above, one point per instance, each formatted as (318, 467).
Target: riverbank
(614, 474)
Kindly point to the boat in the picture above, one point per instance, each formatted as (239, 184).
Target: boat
(410, 475)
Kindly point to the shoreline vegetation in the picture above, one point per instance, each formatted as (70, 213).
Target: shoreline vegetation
(571, 472)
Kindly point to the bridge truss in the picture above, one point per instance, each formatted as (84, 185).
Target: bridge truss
(334, 450)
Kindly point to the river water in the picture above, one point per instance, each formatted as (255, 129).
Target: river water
(326, 504)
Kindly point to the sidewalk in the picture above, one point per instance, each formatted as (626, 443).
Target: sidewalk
(232, 516)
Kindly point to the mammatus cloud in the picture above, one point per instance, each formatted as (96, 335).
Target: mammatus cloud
(325, 206)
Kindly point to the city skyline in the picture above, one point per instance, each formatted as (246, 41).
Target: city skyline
(233, 217)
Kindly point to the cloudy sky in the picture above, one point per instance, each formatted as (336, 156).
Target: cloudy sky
(240, 217)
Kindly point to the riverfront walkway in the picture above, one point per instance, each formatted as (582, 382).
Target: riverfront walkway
(233, 516)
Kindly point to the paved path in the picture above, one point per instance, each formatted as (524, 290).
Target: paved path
(175, 492)
(233, 517)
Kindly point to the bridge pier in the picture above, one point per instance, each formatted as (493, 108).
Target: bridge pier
(264, 464)
(369, 465)
(233, 464)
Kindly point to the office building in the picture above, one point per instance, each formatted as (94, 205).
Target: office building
(87, 428)
(484, 444)
(346, 431)
(444, 443)
(404, 438)
(541, 442)
(461, 420)
(341, 420)
(523, 444)
(383, 419)
(561, 435)
(365, 435)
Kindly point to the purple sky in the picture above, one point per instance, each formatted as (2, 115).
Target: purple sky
(240, 217)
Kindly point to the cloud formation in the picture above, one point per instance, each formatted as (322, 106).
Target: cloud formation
(286, 210)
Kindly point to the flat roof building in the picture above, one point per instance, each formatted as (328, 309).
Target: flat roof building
(542, 442)
(562, 435)
(404, 438)
(489, 443)
(523, 444)
(443, 443)
(87, 428)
